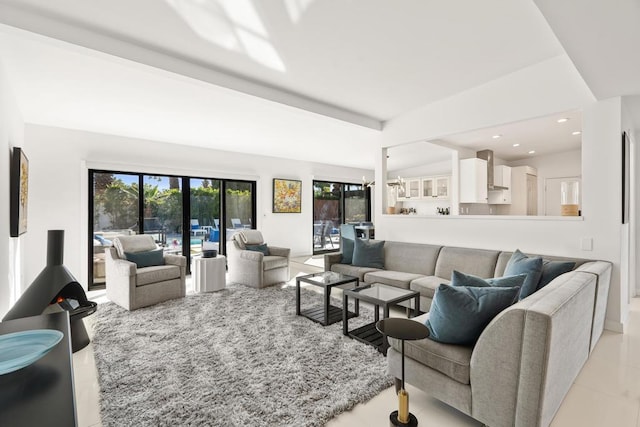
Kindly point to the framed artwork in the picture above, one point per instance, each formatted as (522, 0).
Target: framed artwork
(626, 177)
(19, 192)
(287, 196)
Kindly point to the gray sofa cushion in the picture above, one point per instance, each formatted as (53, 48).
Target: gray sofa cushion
(451, 360)
(270, 262)
(411, 257)
(427, 285)
(479, 262)
(391, 278)
(352, 270)
(158, 273)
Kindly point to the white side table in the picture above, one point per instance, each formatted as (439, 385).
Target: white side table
(210, 274)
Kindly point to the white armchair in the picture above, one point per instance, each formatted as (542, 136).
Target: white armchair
(254, 268)
(134, 287)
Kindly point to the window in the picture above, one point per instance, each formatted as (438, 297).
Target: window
(336, 203)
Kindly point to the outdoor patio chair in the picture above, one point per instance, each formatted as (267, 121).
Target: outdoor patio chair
(252, 267)
(197, 230)
(135, 277)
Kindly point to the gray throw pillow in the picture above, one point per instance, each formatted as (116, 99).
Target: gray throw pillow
(258, 248)
(368, 253)
(461, 279)
(552, 269)
(522, 264)
(459, 314)
(146, 258)
(347, 250)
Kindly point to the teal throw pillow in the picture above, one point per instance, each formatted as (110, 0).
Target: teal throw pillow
(552, 269)
(347, 250)
(459, 314)
(258, 248)
(368, 253)
(462, 279)
(146, 258)
(522, 264)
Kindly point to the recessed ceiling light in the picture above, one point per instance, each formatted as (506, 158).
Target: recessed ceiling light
(576, 132)
(496, 136)
(516, 145)
(562, 120)
(532, 152)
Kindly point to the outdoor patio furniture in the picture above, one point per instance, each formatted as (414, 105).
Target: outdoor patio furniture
(197, 230)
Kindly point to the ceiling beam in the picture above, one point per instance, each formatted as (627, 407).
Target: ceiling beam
(76, 33)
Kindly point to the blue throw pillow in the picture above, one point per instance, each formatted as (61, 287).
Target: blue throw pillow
(462, 279)
(522, 264)
(146, 258)
(368, 253)
(552, 269)
(459, 314)
(347, 250)
(258, 248)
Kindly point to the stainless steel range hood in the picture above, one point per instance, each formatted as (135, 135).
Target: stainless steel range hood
(488, 156)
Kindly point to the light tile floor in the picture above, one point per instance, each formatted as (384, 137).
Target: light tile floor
(605, 393)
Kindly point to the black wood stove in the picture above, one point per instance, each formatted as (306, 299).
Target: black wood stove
(56, 289)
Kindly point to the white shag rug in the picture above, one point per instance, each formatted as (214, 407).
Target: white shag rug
(237, 357)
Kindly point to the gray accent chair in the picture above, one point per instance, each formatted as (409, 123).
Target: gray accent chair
(252, 268)
(132, 287)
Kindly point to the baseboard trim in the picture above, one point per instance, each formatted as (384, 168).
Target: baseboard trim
(614, 326)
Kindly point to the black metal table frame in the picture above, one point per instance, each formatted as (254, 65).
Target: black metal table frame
(368, 333)
(328, 313)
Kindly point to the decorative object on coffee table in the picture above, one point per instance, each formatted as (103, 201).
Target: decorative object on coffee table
(287, 196)
(378, 295)
(326, 314)
(209, 274)
(402, 329)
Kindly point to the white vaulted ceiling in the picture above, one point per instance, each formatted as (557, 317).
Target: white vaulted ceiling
(301, 79)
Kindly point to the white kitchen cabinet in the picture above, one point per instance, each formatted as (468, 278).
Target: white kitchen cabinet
(442, 187)
(428, 187)
(501, 178)
(411, 191)
(524, 192)
(435, 187)
(473, 181)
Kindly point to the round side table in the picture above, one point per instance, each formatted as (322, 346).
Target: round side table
(403, 329)
(209, 274)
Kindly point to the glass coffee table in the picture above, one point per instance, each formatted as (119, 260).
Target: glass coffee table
(327, 313)
(380, 296)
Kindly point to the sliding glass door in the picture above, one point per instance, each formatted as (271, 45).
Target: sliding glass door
(239, 202)
(336, 203)
(185, 215)
(204, 221)
(114, 203)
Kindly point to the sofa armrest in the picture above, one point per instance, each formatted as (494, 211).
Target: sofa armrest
(121, 279)
(601, 269)
(117, 266)
(179, 260)
(253, 256)
(330, 259)
(529, 355)
(276, 251)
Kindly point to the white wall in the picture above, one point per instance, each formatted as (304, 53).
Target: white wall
(559, 165)
(542, 89)
(59, 159)
(11, 135)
